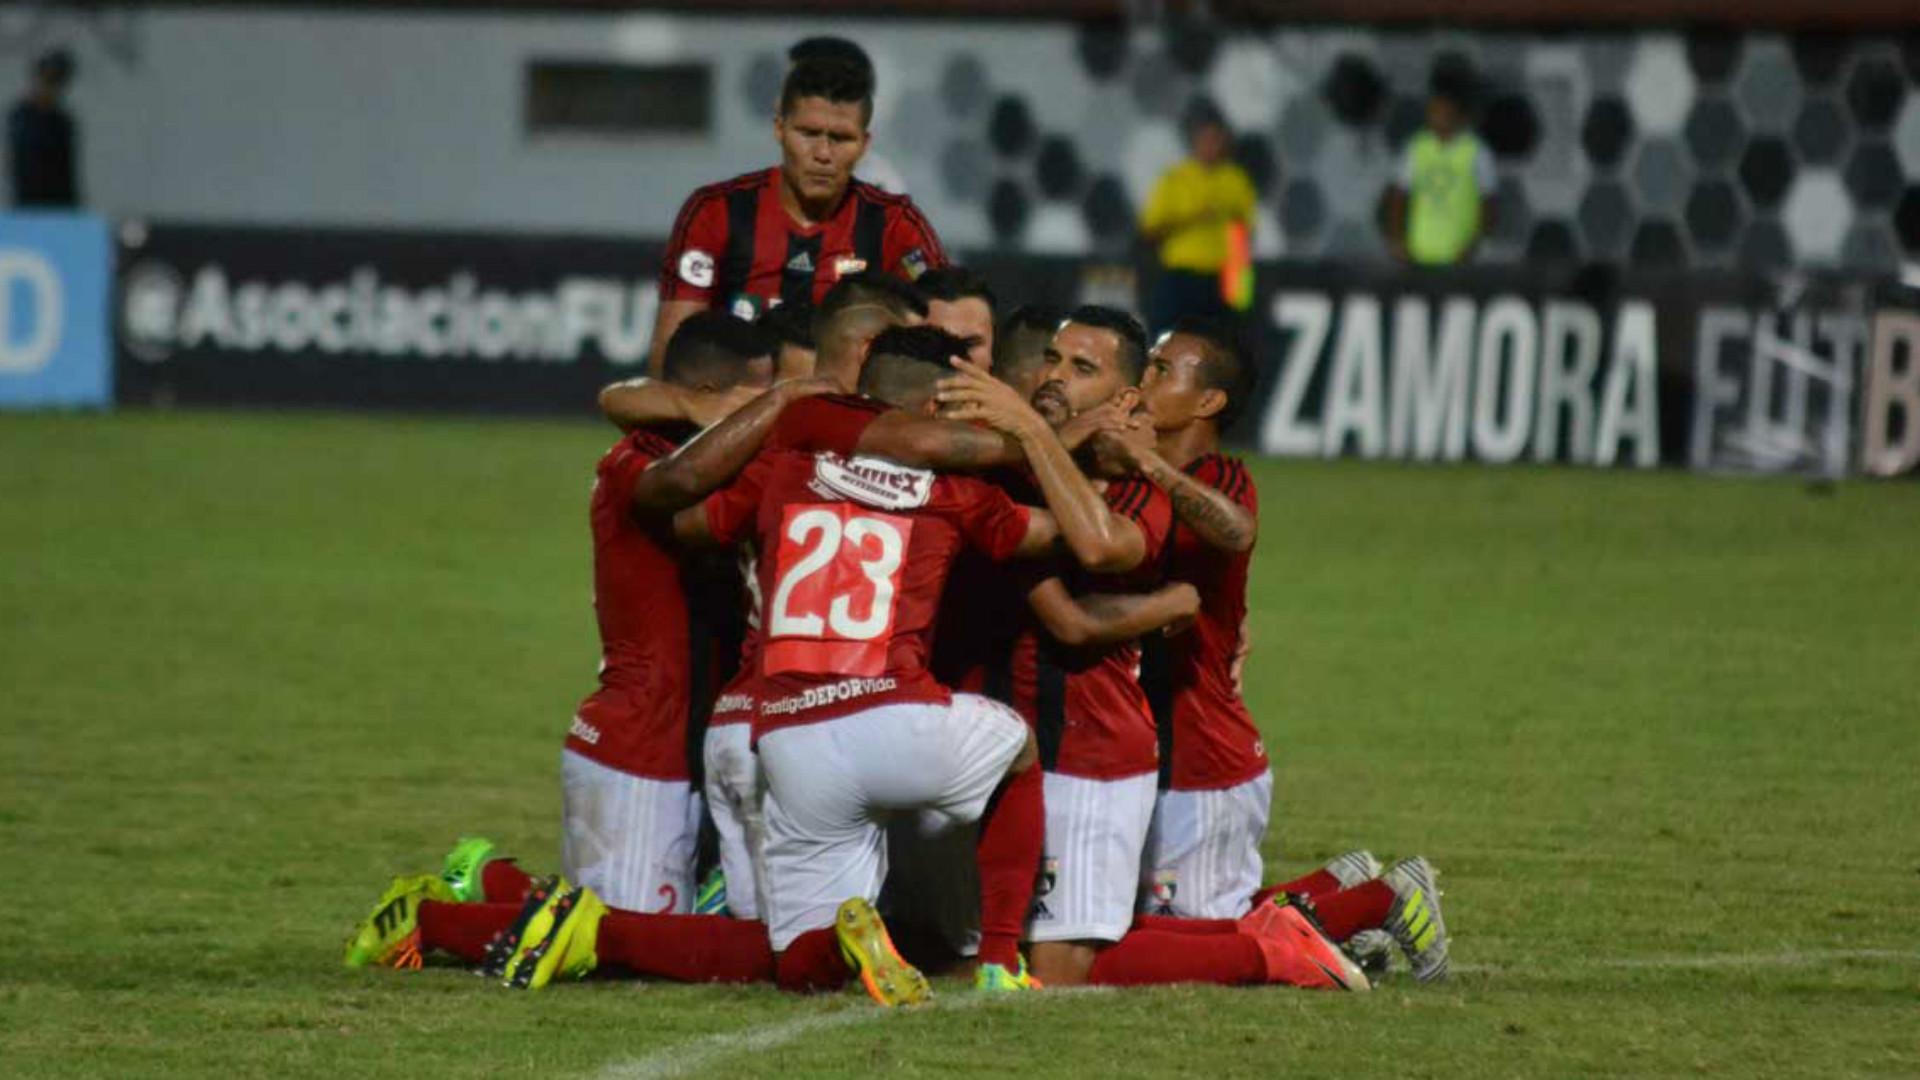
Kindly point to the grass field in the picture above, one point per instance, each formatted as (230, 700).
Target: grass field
(1659, 732)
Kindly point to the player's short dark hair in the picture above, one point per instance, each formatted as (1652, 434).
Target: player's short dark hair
(713, 348)
(867, 288)
(1020, 341)
(950, 283)
(905, 361)
(838, 81)
(829, 47)
(790, 324)
(1226, 365)
(1133, 336)
(1452, 79)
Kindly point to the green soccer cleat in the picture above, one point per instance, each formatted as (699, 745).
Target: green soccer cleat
(461, 871)
(558, 940)
(712, 897)
(869, 951)
(1414, 920)
(390, 935)
(996, 979)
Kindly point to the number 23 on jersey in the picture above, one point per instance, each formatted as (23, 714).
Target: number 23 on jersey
(836, 578)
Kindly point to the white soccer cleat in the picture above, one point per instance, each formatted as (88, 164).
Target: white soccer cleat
(1353, 868)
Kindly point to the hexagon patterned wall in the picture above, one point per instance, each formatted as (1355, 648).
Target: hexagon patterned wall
(1653, 148)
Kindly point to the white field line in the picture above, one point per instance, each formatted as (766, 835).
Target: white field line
(696, 1055)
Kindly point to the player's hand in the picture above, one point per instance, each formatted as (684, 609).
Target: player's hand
(1187, 599)
(706, 408)
(1113, 415)
(972, 393)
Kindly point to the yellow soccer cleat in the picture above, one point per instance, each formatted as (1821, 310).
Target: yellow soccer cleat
(557, 940)
(869, 951)
(390, 936)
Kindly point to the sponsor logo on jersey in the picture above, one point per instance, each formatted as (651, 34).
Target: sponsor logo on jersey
(870, 482)
(696, 268)
(800, 264)
(814, 697)
(733, 703)
(848, 264)
(585, 732)
(913, 264)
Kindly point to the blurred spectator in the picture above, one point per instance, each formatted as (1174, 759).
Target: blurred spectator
(1440, 208)
(42, 139)
(1188, 216)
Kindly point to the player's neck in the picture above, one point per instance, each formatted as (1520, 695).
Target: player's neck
(1183, 446)
(807, 214)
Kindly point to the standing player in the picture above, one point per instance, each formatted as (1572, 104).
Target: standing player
(788, 233)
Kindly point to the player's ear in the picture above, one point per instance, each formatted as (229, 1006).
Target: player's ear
(1210, 404)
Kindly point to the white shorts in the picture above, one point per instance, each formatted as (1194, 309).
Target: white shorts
(1203, 854)
(1090, 876)
(933, 878)
(734, 789)
(628, 838)
(832, 786)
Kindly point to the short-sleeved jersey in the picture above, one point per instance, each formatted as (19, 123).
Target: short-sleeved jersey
(735, 248)
(1193, 679)
(853, 554)
(664, 638)
(1089, 714)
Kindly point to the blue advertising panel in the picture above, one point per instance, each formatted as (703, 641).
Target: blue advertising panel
(55, 270)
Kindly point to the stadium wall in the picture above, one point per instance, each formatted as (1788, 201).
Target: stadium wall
(1650, 148)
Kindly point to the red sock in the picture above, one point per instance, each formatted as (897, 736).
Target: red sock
(1156, 957)
(812, 964)
(503, 881)
(686, 948)
(1012, 835)
(1316, 885)
(1349, 911)
(463, 929)
(1170, 925)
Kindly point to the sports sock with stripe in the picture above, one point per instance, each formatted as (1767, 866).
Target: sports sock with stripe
(1157, 957)
(1012, 835)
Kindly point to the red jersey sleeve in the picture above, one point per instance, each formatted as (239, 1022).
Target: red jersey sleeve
(992, 523)
(1229, 477)
(1138, 500)
(827, 422)
(731, 510)
(623, 464)
(911, 247)
(693, 250)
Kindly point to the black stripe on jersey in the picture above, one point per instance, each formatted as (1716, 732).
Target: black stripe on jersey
(1133, 500)
(736, 263)
(796, 285)
(1241, 482)
(1156, 680)
(1049, 707)
(870, 232)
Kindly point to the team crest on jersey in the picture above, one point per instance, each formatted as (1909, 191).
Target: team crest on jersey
(848, 264)
(870, 482)
(913, 264)
(696, 268)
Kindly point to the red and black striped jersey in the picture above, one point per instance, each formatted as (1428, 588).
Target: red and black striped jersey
(1193, 679)
(734, 247)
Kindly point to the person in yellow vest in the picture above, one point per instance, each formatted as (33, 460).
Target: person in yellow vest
(1187, 218)
(1441, 206)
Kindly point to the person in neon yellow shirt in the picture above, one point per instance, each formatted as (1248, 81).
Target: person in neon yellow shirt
(1187, 218)
(1440, 207)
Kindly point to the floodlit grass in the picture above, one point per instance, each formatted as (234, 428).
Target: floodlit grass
(1658, 731)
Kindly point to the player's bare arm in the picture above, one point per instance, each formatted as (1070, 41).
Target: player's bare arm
(1216, 519)
(1106, 619)
(691, 529)
(717, 454)
(1100, 540)
(642, 401)
(665, 321)
(927, 443)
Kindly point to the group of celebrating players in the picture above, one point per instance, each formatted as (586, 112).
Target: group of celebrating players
(937, 617)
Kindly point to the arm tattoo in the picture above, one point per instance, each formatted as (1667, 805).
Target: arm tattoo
(1200, 507)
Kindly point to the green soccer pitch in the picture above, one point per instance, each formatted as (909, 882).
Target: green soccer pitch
(1658, 732)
